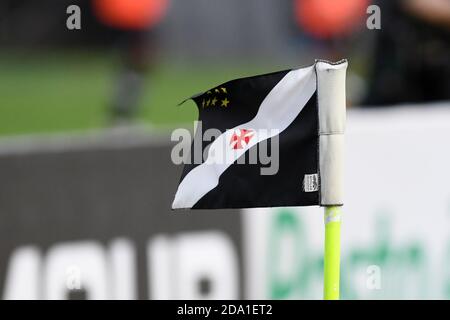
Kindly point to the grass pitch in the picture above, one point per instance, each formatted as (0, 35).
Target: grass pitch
(52, 91)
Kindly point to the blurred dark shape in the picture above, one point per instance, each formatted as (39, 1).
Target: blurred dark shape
(412, 53)
(204, 286)
(28, 24)
(77, 294)
(133, 22)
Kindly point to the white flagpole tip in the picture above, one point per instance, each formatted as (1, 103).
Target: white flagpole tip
(332, 116)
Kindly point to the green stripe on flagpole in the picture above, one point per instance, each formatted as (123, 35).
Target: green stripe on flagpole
(332, 252)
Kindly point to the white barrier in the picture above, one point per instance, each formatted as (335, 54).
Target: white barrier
(396, 223)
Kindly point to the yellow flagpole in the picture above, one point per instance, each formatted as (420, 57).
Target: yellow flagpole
(332, 252)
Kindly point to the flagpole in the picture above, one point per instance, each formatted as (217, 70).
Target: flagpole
(332, 252)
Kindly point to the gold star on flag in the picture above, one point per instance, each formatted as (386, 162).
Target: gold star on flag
(225, 102)
(203, 103)
(223, 89)
(213, 101)
(216, 90)
(207, 102)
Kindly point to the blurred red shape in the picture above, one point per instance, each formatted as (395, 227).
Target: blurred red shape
(329, 18)
(130, 14)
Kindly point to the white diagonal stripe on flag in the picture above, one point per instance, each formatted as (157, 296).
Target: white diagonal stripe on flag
(277, 111)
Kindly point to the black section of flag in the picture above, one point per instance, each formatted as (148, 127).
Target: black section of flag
(237, 102)
(244, 98)
(249, 114)
(243, 186)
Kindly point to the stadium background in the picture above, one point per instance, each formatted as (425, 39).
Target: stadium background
(84, 202)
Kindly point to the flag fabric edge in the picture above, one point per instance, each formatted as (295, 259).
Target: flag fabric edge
(329, 86)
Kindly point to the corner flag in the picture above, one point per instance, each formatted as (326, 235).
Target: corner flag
(293, 119)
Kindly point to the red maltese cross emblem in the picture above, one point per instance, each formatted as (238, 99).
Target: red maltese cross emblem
(241, 138)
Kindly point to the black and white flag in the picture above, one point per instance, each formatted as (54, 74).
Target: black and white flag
(267, 141)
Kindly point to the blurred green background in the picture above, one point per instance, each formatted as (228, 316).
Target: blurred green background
(69, 91)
